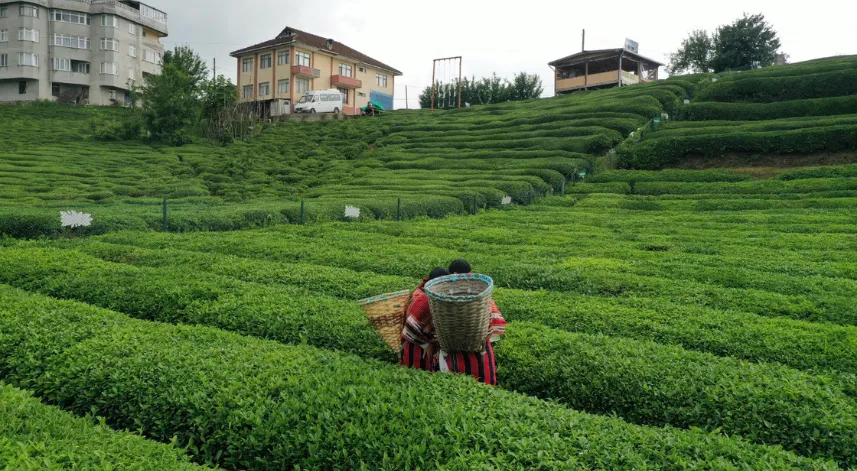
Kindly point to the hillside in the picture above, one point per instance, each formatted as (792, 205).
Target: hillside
(658, 318)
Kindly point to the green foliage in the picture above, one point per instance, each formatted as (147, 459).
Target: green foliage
(695, 54)
(489, 90)
(170, 105)
(189, 63)
(39, 437)
(716, 111)
(253, 404)
(121, 130)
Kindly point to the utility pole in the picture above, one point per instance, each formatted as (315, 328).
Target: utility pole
(406, 98)
(583, 42)
(215, 67)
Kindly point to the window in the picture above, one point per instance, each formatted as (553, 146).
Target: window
(109, 20)
(71, 17)
(4, 11)
(22, 88)
(27, 59)
(247, 65)
(362, 70)
(27, 34)
(283, 58)
(4, 35)
(109, 68)
(132, 73)
(62, 64)
(248, 91)
(108, 44)
(302, 58)
(4, 60)
(132, 28)
(55, 89)
(344, 92)
(113, 95)
(264, 89)
(302, 85)
(29, 10)
(283, 87)
(382, 80)
(345, 69)
(144, 33)
(150, 56)
(80, 67)
(132, 51)
(361, 94)
(265, 61)
(153, 14)
(66, 40)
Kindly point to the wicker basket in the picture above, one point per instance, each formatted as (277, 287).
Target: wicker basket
(386, 313)
(461, 311)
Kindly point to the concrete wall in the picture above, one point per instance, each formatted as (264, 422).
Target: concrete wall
(94, 56)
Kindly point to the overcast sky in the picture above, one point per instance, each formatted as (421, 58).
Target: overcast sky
(496, 36)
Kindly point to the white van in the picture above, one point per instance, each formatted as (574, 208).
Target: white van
(320, 101)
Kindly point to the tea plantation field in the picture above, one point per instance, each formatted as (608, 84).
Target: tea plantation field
(658, 318)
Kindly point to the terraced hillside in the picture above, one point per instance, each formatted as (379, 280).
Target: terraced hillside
(658, 319)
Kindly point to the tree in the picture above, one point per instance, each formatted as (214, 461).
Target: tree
(695, 54)
(526, 87)
(171, 105)
(748, 41)
(219, 98)
(485, 91)
(189, 62)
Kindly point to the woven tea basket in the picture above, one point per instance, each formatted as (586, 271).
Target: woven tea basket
(386, 313)
(461, 311)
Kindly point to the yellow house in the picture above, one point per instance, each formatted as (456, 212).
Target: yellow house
(279, 71)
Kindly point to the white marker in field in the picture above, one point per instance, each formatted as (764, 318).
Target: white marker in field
(352, 212)
(75, 219)
(506, 200)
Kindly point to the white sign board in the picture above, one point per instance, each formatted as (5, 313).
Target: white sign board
(506, 200)
(75, 219)
(631, 45)
(352, 212)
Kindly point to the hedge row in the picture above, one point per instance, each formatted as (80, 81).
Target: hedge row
(657, 153)
(251, 404)
(772, 89)
(34, 436)
(668, 176)
(711, 111)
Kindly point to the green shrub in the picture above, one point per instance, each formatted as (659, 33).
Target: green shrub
(772, 89)
(710, 111)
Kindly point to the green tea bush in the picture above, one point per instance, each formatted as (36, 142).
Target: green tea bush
(39, 437)
(772, 89)
(712, 111)
(252, 404)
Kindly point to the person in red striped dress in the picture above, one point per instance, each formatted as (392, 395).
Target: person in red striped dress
(481, 365)
(419, 340)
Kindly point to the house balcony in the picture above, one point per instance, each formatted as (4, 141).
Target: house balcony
(305, 72)
(343, 81)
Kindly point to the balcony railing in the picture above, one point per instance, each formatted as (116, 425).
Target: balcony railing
(343, 81)
(304, 71)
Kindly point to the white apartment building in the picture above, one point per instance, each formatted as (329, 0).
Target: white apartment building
(78, 51)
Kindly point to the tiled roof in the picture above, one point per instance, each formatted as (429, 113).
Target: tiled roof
(585, 55)
(291, 35)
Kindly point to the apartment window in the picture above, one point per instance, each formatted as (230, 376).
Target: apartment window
(29, 10)
(132, 51)
(71, 17)
(362, 70)
(302, 85)
(382, 80)
(144, 33)
(22, 88)
(150, 56)
(55, 89)
(344, 92)
(109, 20)
(247, 65)
(345, 69)
(113, 95)
(248, 91)
(283, 58)
(4, 35)
(283, 87)
(27, 34)
(4, 11)
(153, 14)
(132, 73)
(302, 58)
(4, 60)
(66, 40)
(361, 94)
(80, 67)
(132, 28)
(27, 59)
(109, 68)
(264, 89)
(108, 44)
(265, 61)
(62, 64)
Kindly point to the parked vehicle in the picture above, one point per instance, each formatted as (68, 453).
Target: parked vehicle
(320, 101)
